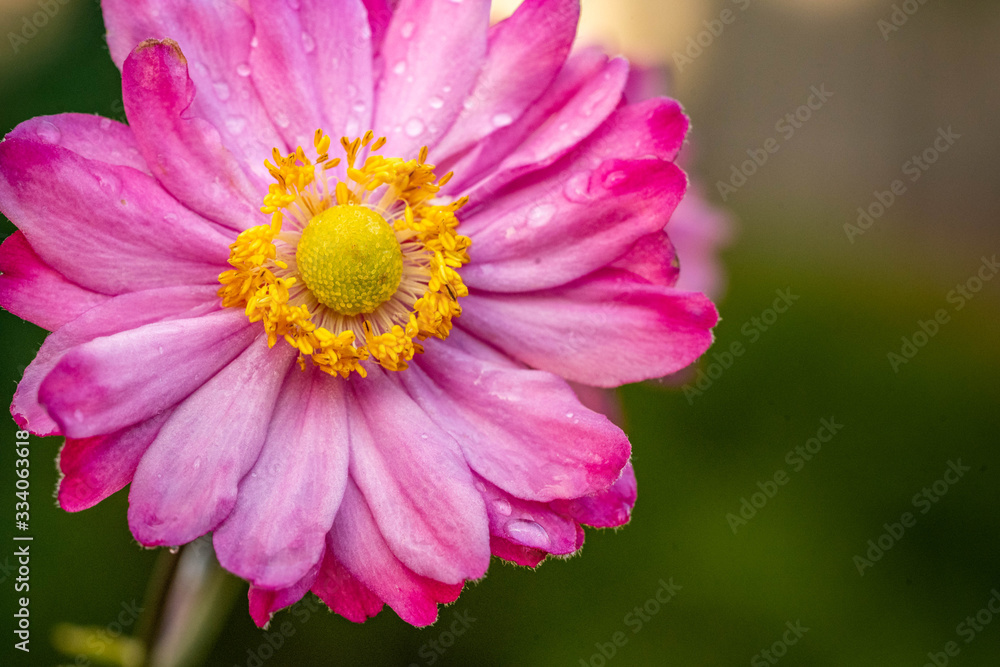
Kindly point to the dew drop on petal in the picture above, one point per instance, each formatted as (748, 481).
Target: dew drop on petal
(578, 188)
(614, 178)
(502, 506)
(502, 120)
(281, 120)
(105, 123)
(400, 67)
(308, 44)
(243, 69)
(48, 133)
(359, 107)
(254, 42)
(528, 533)
(541, 215)
(435, 103)
(236, 124)
(407, 30)
(414, 127)
(221, 91)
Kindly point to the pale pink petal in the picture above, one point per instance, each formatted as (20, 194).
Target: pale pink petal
(105, 227)
(313, 66)
(287, 503)
(215, 38)
(524, 54)
(416, 482)
(555, 230)
(33, 291)
(186, 483)
(529, 524)
(358, 544)
(186, 153)
(343, 593)
(523, 430)
(605, 330)
(432, 54)
(264, 602)
(115, 381)
(608, 509)
(94, 468)
(121, 313)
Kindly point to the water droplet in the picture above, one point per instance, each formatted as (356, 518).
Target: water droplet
(502, 120)
(541, 215)
(407, 30)
(423, 436)
(435, 103)
(503, 506)
(509, 233)
(569, 415)
(281, 120)
(446, 89)
(197, 463)
(243, 69)
(236, 124)
(161, 349)
(105, 123)
(400, 67)
(254, 42)
(48, 133)
(578, 188)
(414, 127)
(528, 533)
(174, 550)
(614, 178)
(359, 107)
(308, 44)
(221, 91)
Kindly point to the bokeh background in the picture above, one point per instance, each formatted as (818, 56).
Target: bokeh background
(698, 456)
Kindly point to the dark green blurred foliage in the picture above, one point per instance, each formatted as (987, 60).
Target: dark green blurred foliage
(696, 459)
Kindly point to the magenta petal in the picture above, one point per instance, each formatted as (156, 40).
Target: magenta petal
(432, 55)
(90, 137)
(185, 152)
(119, 380)
(270, 539)
(118, 314)
(609, 508)
(379, 17)
(343, 593)
(105, 227)
(186, 483)
(524, 54)
(529, 524)
(417, 483)
(215, 38)
(607, 329)
(652, 258)
(323, 79)
(357, 542)
(265, 602)
(94, 468)
(556, 230)
(523, 430)
(516, 553)
(33, 291)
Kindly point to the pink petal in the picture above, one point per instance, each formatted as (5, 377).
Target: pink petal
(608, 509)
(315, 63)
(105, 227)
(652, 258)
(358, 544)
(343, 593)
(698, 230)
(186, 483)
(215, 38)
(417, 483)
(607, 329)
(529, 524)
(186, 152)
(265, 602)
(33, 291)
(560, 228)
(269, 538)
(90, 137)
(432, 55)
(604, 401)
(119, 380)
(516, 553)
(379, 17)
(523, 430)
(94, 468)
(117, 314)
(524, 54)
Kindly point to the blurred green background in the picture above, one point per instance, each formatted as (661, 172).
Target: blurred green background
(698, 457)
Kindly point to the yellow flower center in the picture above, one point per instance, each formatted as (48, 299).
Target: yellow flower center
(359, 261)
(350, 259)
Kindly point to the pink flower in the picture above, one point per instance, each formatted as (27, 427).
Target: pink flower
(378, 401)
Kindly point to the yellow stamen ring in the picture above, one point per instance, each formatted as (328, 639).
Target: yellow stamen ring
(358, 270)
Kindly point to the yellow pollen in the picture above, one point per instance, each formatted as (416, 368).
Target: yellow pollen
(349, 257)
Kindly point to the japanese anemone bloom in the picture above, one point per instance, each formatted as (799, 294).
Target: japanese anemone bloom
(348, 363)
